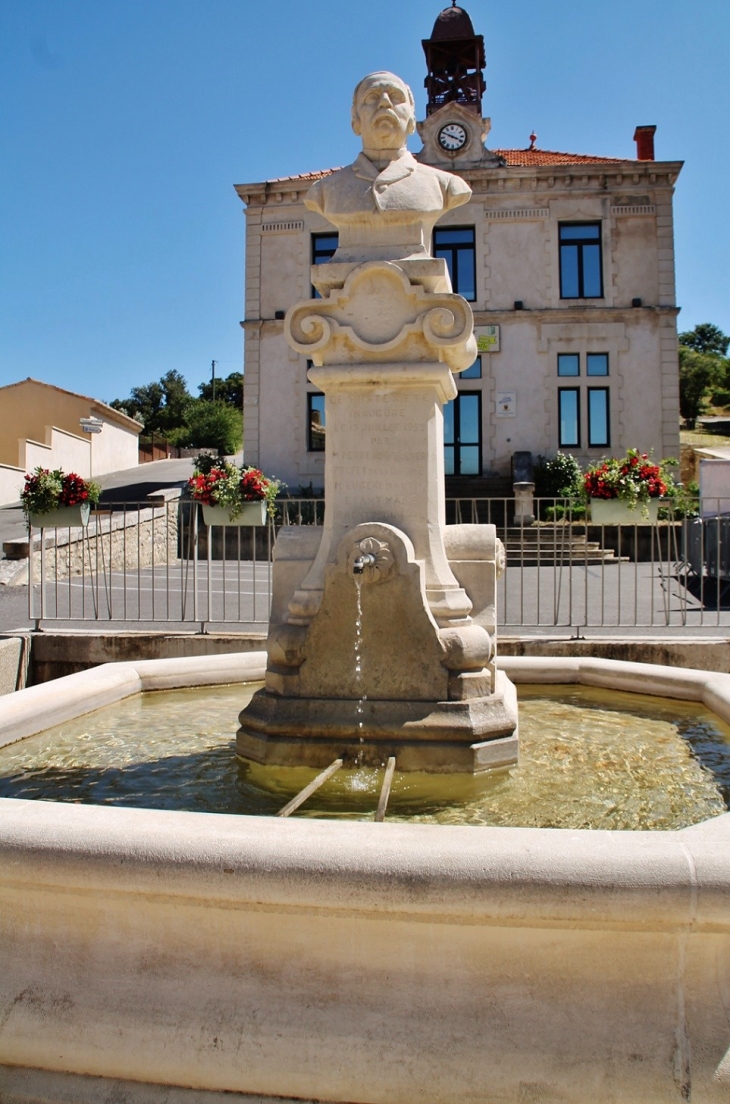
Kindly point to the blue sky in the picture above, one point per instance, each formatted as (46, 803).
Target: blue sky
(127, 122)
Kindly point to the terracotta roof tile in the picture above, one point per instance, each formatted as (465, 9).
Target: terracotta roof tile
(530, 157)
(308, 177)
(519, 158)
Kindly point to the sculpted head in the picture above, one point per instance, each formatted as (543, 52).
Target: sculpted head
(383, 111)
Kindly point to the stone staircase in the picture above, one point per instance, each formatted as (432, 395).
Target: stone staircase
(547, 545)
(489, 500)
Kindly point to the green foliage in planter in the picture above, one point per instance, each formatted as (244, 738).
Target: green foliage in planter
(566, 512)
(685, 502)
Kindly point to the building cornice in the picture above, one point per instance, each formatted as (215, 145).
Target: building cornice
(571, 314)
(601, 176)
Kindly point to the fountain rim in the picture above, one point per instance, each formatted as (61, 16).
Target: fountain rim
(560, 888)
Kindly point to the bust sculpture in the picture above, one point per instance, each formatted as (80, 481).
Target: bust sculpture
(386, 203)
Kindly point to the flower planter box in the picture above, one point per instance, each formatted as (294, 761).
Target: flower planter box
(65, 517)
(614, 511)
(253, 513)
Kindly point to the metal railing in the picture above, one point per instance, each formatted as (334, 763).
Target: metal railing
(158, 563)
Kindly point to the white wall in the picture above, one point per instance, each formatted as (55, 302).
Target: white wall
(60, 450)
(516, 218)
(11, 484)
(114, 449)
(714, 487)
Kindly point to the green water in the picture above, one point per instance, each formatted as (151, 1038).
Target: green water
(589, 758)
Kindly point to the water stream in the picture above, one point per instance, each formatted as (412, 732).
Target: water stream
(362, 698)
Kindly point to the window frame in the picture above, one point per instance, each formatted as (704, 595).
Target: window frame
(579, 245)
(323, 425)
(589, 422)
(457, 444)
(477, 375)
(598, 375)
(561, 442)
(321, 257)
(455, 248)
(571, 356)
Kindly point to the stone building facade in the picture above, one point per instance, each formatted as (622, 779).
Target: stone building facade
(567, 260)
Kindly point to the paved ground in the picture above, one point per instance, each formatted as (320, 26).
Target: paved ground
(616, 599)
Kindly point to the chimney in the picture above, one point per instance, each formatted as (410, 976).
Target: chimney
(644, 138)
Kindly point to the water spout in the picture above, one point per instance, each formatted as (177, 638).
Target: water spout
(367, 559)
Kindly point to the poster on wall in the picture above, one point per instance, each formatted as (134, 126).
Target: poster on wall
(506, 404)
(488, 339)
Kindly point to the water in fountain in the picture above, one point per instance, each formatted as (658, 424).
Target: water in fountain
(589, 758)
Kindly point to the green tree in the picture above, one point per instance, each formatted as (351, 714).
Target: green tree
(703, 367)
(697, 373)
(144, 405)
(177, 400)
(706, 338)
(161, 407)
(228, 390)
(210, 425)
(559, 477)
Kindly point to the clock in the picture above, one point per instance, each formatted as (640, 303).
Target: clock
(452, 137)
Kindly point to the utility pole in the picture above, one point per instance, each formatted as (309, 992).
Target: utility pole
(212, 372)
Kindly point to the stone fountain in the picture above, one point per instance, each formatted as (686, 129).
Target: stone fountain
(151, 956)
(385, 335)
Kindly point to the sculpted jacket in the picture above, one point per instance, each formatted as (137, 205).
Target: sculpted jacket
(388, 214)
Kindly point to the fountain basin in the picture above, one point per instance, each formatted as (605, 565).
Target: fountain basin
(357, 962)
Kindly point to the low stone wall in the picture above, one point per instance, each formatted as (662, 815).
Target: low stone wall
(54, 654)
(111, 542)
(14, 658)
(360, 962)
(641, 543)
(681, 651)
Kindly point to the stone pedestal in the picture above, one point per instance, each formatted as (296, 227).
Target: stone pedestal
(524, 503)
(384, 461)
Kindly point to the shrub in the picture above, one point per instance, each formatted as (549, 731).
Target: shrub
(559, 477)
(210, 425)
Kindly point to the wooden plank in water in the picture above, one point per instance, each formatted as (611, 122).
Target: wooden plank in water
(385, 790)
(310, 789)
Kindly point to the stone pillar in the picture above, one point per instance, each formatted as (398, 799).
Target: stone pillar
(524, 503)
(384, 449)
(384, 460)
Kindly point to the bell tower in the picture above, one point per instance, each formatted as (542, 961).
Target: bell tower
(455, 61)
(454, 131)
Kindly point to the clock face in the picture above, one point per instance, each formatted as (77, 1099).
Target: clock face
(452, 137)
